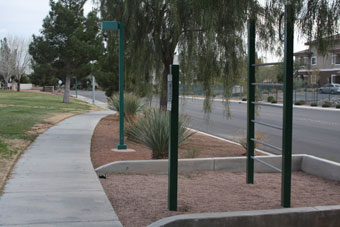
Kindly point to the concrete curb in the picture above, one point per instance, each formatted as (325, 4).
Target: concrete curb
(234, 164)
(245, 102)
(304, 216)
(301, 162)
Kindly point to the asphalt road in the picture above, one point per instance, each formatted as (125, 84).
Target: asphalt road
(315, 132)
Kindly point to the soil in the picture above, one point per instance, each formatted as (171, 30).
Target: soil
(140, 200)
(105, 138)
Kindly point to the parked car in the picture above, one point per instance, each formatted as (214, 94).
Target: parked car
(330, 88)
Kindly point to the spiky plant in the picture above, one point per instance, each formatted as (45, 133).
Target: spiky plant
(132, 104)
(153, 131)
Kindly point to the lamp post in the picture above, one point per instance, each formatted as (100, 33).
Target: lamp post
(114, 25)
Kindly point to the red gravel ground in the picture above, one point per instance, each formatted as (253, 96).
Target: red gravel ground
(140, 200)
(105, 138)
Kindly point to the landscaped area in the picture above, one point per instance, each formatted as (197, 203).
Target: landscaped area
(25, 115)
(141, 199)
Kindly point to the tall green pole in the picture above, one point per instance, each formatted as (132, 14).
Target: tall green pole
(251, 99)
(121, 145)
(287, 107)
(173, 85)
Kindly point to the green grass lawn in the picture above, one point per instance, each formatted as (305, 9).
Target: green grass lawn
(20, 111)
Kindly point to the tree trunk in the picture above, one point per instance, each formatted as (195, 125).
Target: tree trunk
(164, 88)
(18, 85)
(67, 89)
(6, 84)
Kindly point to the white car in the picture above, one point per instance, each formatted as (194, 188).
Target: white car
(330, 88)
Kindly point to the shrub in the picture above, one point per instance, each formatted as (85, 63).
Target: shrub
(274, 101)
(327, 104)
(244, 99)
(313, 104)
(242, 139)
(300, 102)
(337, 106)
(132, 104)
(270, 98)
(153, 131)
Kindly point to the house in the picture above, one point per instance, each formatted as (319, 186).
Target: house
(316, 68)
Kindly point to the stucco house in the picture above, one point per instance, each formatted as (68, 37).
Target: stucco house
(319, 69)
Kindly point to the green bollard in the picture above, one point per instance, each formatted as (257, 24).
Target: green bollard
(173, 84)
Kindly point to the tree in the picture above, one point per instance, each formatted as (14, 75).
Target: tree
(69, 41)
(7, 61)
(22, 59)
(209, 36)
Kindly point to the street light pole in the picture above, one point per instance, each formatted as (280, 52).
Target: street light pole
(114, 25)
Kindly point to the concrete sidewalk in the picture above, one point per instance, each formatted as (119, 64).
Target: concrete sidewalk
(54, 184)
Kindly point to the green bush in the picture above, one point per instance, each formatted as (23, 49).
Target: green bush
(313, 104)
(153, 131)
(300, 102)
(337, 106)
(244, 99)
(274, 101)
(132, 104)
(270, 98)
(327, 104)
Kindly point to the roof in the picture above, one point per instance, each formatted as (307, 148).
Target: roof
(306, 52)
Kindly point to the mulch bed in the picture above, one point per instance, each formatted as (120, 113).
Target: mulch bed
(105, 138)
(140, 199)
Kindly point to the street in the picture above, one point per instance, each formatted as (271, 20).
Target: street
(315, 132)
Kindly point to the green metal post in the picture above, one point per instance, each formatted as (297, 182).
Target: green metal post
(251, 99)
(173, 82)
(287, 107)
(121, 145)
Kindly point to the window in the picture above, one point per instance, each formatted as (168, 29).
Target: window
(313, 79)
(336, 59)
(313, 60)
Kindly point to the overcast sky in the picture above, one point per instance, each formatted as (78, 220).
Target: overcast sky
(24, 18)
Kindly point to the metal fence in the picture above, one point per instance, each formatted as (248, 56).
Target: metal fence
(309, 95)
(301, 95)
(217, 91)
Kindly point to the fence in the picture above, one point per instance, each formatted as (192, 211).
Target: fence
(217, 90)
(301, 95)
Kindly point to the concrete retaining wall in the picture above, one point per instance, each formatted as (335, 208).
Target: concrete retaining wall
(306, 216)
(321, 167)
(233, 164)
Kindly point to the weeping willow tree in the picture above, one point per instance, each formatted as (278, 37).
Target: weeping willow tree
(208, 36)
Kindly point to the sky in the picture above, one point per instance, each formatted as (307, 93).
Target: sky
(23, 18)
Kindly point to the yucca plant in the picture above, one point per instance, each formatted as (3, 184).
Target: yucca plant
(132, 104)
(153, 131)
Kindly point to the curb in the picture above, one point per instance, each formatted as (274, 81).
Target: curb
(245, 102)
